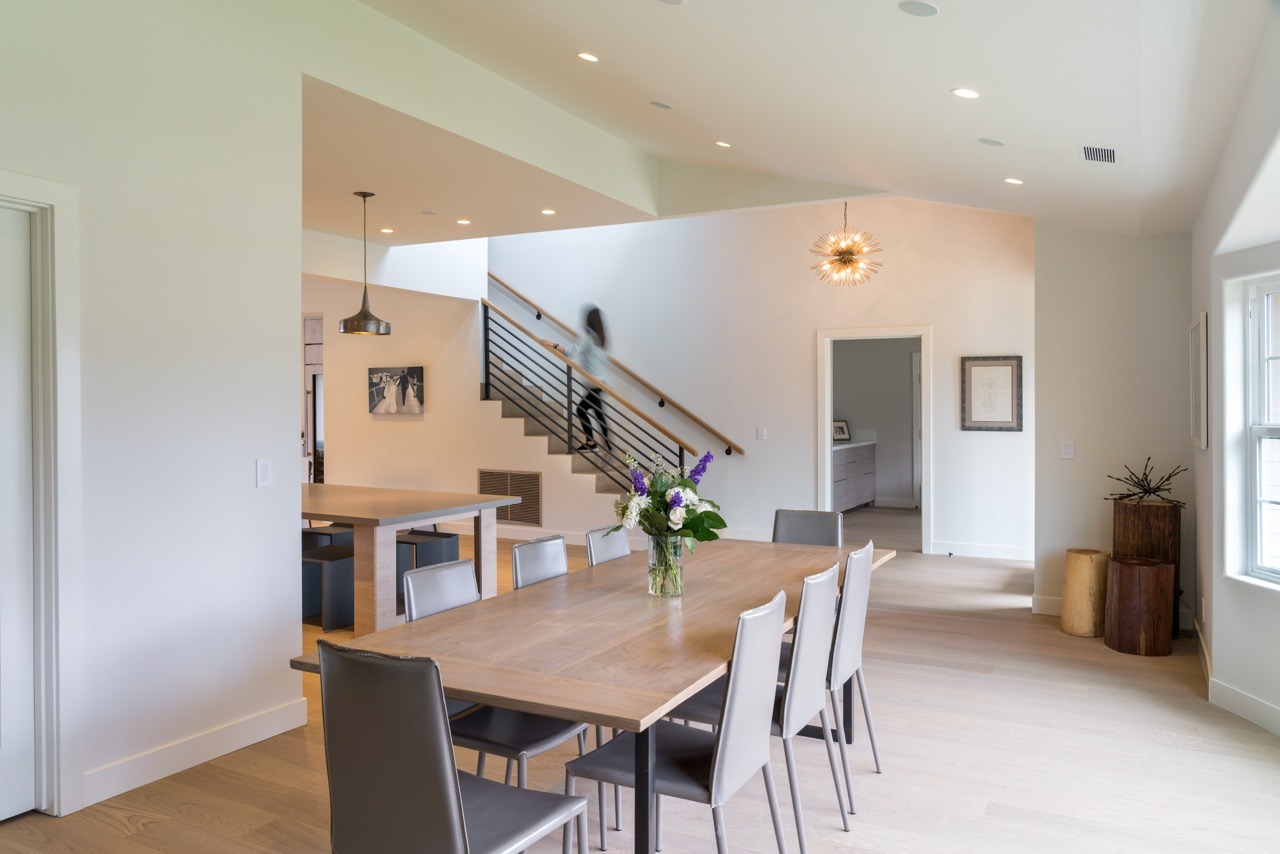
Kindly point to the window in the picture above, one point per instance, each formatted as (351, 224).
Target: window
(1264, 429)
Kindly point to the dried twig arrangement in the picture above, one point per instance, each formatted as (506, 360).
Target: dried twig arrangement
(1141, 486)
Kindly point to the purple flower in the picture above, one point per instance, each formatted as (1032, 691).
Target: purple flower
(637, 482)
(701, 468)
(677, 498)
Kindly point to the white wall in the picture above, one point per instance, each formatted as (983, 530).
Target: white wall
(1240, 618)
(456, 268)
(871, 389)
(179, 123)
(1111, 332)
(723, 313)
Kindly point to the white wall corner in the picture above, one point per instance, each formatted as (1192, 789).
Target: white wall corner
(1048, 605)
(1245, 705)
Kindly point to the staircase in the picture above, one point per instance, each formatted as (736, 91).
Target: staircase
(543, 387)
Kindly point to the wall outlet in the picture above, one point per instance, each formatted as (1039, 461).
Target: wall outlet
(263, 467)
(762, 433)
(1068, 449)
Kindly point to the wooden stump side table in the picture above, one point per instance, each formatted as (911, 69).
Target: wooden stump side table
(1138, 616)
(1084, 593)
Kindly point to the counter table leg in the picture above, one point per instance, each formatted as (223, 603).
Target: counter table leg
(375, 579)
(485, 552)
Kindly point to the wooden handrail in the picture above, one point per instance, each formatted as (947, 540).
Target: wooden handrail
(617, 398)
(663, 399)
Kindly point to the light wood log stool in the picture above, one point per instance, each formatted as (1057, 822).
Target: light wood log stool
(1084, 593)
(1138, 616)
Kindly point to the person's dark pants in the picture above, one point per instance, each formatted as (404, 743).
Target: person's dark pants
(591, 400)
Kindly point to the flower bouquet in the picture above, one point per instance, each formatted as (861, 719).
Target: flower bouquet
(664, 503)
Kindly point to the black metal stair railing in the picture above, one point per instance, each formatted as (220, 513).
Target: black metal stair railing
(547, 390)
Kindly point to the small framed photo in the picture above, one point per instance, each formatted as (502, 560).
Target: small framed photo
(991, 393)
(840, 431)
(396, 391)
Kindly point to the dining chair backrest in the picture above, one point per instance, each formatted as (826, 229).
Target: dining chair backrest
(603, 546)
(538, 560)
(742, 741)
(851, 622)
(806, 685)
(388, 752)
(440, 587)
(809, 527)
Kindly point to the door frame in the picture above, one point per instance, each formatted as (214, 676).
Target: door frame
(57, 487)
(826, 351)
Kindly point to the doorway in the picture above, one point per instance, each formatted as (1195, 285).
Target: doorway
(874, 386)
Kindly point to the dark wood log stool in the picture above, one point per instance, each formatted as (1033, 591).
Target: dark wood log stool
(1138, 617)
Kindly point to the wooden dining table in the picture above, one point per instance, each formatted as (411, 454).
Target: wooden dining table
(594, 646)
(377, 514)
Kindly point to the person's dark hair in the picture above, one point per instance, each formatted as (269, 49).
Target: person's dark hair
(594, 321)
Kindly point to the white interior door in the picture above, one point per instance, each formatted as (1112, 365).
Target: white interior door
(17, 593)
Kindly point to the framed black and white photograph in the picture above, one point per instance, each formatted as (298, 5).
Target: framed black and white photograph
(991, 393)
(839, 431)
(396, 391)
(1199, 384)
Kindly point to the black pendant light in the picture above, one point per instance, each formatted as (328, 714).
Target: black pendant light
(365, 322)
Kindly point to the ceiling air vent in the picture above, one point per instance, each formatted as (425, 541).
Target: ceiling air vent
(1099, 155)
(527, 485)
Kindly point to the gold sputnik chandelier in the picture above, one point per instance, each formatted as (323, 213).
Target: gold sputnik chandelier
(844, 255)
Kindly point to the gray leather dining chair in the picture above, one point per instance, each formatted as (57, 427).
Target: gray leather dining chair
(846, 651)
(603, 546)
(393, 782)
(802, 694)
(538, 560)
(710, 767)
(513, 735)
(809, 527)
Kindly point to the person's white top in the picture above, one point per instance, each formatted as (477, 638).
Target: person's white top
(588, 353)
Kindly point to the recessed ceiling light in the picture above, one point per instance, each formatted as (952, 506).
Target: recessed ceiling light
(548, 212)
(661, 105)
(1012, 181)
(964, 93)
(388, 231)
(673, 2)
(427, 213)
(588, 57)
(918, 9)
(986, 140)
(464, 222)
(723, 144)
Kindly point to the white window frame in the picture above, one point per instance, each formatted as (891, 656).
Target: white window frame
(1260, 321)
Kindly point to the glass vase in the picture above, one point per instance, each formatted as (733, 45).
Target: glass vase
(666, 576)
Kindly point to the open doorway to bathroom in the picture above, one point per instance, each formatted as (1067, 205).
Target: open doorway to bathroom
(877, 438)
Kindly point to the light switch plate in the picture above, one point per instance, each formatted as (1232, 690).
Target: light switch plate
(263, 467)
(1068, 449)
(762, 433)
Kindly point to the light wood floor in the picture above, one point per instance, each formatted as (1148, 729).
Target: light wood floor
(890, 528)
(997, 731)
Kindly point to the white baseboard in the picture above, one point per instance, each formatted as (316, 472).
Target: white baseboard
(984, 550)
(118, 777)
(1048, 605)
(1245, 705)
(896, 503)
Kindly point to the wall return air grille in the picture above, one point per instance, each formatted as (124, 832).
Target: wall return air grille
(527, 485)
(1099, 155)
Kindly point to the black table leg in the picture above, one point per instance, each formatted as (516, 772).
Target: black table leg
(646, 797)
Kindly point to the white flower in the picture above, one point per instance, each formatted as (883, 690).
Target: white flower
(703, 507)
(676, 517)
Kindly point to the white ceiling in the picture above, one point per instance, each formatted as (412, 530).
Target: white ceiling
(837, 92)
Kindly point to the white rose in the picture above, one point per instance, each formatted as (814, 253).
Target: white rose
(703, 507)
(676, 517)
